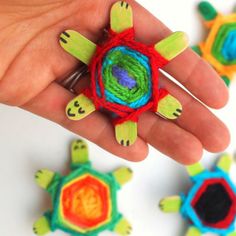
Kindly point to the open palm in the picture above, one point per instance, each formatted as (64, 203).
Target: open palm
(33, 64)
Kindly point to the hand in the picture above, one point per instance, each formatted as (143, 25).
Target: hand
(32, 64)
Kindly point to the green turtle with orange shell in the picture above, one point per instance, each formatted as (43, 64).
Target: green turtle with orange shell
(219, 49)
(84, 203)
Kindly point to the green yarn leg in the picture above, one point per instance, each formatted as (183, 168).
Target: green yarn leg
(207, 11)
(52, 189)
(197, 49)
(226, 80)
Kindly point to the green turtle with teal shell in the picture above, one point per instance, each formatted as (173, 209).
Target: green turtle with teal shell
(84, 202)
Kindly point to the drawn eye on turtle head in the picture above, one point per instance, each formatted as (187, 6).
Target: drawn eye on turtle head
(124, 74)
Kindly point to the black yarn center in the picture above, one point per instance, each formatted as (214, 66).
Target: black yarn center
(214, 204)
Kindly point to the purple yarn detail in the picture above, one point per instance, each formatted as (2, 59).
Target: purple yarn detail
(123, 77)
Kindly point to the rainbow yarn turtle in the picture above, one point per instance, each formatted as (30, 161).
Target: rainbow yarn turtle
(219, 49)
(84, 201)
(210, 204)
(124, 74)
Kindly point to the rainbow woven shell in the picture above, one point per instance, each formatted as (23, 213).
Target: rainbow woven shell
(210, 204)
(218, 189)
(124, 77)
(84, 201)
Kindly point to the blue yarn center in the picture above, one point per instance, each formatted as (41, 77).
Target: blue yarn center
(123, 77)
(229, 47)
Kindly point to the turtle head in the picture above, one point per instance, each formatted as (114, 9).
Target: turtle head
(79, 108)
(79, 152)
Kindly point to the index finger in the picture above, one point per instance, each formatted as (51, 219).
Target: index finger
(188, 68)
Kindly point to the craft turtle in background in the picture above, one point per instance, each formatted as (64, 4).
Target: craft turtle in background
(219, 49)
(84, 201)
(124, 74)
(210, 205)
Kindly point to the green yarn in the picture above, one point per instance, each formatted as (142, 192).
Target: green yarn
(226, 80)
(219, 43)
(207, 11)
(52, 189)
(197, 50)
(135, 70)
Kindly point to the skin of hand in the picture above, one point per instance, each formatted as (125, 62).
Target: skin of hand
(32, 64)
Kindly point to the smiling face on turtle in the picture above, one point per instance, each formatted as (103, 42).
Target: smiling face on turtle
(79, 108)
(124, 74)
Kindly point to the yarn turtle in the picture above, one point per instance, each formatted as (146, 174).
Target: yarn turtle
(124, 74)
(85, 201)
(210, 204)
(219, 49)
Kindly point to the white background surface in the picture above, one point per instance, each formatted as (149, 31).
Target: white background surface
(28, 143)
